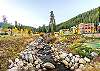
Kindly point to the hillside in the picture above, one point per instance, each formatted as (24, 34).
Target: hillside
(91, 16)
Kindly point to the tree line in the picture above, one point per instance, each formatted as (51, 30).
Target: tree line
(92, 16)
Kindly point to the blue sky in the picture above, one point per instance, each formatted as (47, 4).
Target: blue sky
(36, 12)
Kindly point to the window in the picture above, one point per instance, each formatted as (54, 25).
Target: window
(88, 27)
(85, 27)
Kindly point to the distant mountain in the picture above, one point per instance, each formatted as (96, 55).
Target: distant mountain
(92, 16)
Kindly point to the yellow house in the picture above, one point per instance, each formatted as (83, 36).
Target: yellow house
(75, 30)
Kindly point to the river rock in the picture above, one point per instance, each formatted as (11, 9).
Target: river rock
(57, 57)
(10, 61)
(72, 60)
(70, 54)
(11, 65)
(49, 65)
(26, 57)
(25, 68)
(77, 59)
(78, 69)
(40, 70)
(38, 66)
(13, 69)
(70, 64)
(63, 55)
(36, 62)
(67, 59)
(94, 54)
(82, 61)
(87, 59)
(77, 56)
(72, 68)
(16, 60)
(30, 58)
(76, 65)
(20, 63)
(82, 66)
(65, 62)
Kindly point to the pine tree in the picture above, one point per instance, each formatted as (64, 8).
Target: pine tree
(52, 23)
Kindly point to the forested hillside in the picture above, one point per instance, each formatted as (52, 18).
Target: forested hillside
(91, 16)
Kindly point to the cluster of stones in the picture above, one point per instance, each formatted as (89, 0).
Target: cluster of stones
(29, 59)
(74, 62)
(39, 56)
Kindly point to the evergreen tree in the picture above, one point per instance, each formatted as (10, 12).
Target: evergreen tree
(49, 28)
(44, 29)
(52, 22)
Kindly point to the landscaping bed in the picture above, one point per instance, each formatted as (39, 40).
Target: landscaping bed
(10, 47)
